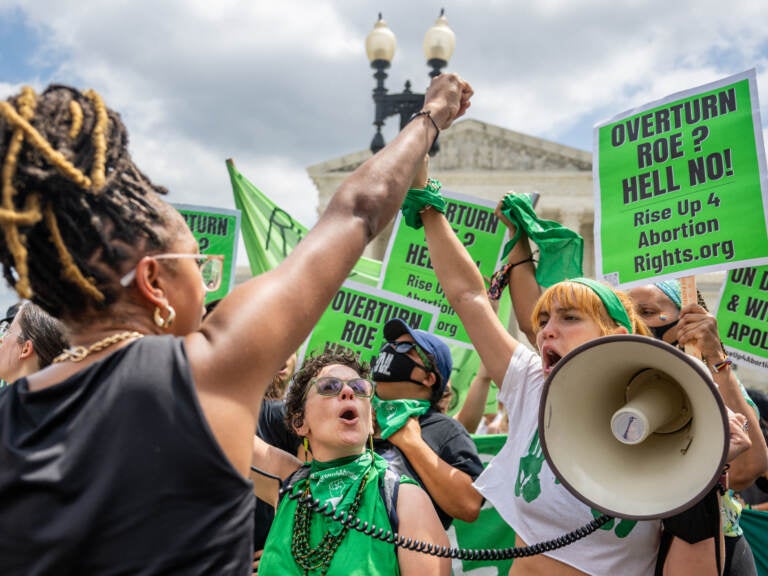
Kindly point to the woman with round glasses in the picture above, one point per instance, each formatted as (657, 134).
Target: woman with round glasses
(329, 404)
(132, 451)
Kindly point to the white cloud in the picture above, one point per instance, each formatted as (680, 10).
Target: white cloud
(282, 85)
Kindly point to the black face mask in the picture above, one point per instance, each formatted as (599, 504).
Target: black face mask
(659, 331)
(391, 366)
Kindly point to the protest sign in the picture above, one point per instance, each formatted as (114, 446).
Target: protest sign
(216, 231)
(742, 316)
(680, 185)
(489, 531)
(356, 316)
(407, 268)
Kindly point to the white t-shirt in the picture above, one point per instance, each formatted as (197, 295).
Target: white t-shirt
(521, 486)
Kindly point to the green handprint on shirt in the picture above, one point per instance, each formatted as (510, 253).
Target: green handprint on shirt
(623, 528)
(528, 484)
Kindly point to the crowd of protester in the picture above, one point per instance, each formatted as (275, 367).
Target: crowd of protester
(144, 433)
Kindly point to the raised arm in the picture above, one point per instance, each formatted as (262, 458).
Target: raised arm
(473, 408)
(465, 290)
(521, 273)
(244, 341)
(274, 465)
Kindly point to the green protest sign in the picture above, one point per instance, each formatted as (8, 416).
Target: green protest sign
(407, 268)
(356, 316)
(742, 316)
(489, 531)
(681, 186)
(216, 231)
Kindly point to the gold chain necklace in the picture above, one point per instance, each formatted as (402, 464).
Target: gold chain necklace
(80, 353)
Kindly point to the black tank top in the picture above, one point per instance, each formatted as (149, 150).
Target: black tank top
(115, 471)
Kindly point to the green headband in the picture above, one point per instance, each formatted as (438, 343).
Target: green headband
(609, 299)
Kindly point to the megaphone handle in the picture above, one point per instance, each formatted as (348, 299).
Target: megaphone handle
(688, 296)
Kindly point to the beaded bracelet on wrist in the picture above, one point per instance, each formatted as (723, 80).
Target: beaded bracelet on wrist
(500, 278)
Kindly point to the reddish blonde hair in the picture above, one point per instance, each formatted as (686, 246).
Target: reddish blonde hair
(580, 297)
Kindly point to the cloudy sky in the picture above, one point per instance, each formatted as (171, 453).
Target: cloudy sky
(279, 86)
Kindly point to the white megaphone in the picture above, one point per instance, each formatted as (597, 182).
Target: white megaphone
(633, 427)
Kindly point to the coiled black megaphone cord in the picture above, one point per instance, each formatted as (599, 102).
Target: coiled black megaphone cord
(442, 551)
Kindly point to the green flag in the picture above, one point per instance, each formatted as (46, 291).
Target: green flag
(270, 233)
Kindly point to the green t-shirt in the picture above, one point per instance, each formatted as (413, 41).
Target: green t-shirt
(357, 554)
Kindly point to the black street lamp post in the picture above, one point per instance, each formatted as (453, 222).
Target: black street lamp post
(439, 42)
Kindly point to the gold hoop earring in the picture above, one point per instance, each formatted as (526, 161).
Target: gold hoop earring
(306, 450)
(164, 322)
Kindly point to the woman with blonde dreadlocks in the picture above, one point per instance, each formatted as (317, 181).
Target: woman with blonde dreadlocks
(131, 453)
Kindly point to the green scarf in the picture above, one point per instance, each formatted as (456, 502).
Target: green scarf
(418, 199)
(336, 481)
(560, 250)
(357, 553)
(609, 299)
(392, 415)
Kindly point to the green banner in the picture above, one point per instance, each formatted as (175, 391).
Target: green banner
(270, 233)
(408, 269)
(754, 523)
(681, 187)
(742, 316)
(489, 530)
(216, 231)
(356, 317)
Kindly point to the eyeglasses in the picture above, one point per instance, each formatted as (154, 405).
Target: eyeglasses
(404, 347)
(332, 386)
(211, 267)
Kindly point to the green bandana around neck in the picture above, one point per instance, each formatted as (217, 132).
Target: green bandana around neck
(561, 250)
(392, 415)
(609, 299)
(336, 481)
(418, 199)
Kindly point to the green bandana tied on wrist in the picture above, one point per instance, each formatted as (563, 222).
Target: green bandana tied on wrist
(560, 250)
(418, 199)
(392, 415)
(609, 299)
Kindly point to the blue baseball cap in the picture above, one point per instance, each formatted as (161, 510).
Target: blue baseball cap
(430, 343)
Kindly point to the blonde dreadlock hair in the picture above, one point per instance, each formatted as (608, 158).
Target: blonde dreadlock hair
(74, 208)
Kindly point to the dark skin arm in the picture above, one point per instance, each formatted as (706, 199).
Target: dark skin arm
(244, 341)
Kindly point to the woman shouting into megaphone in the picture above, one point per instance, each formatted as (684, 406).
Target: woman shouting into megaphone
(518, 481)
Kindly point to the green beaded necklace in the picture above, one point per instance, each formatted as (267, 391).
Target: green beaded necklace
(320, 556)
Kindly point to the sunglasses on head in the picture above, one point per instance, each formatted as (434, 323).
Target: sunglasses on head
(332, 386)
(404, 347)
